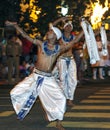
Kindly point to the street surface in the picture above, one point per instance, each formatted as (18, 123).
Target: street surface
(91, 110)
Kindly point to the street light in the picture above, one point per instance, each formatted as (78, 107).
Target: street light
(64, 7)
(64, 10)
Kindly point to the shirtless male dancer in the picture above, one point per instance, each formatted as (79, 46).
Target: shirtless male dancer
(66, 65)
(41, 82)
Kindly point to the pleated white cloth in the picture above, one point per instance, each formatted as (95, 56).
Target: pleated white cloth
(25, 93)
(104, 41)
(67, 75)
(91, 42)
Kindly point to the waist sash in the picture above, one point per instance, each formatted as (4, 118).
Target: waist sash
(42, 73)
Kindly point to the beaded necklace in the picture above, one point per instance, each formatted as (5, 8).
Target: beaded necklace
(66, 40)
(49, 52)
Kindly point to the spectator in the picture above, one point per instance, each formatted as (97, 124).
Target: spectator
(100, 65)
(26, 49)
(13, 52)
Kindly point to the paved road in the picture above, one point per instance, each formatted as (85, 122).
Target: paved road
(91, 111)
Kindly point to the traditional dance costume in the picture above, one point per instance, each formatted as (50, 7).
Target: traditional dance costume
(41, 84)
(66, 68)
(67, 75)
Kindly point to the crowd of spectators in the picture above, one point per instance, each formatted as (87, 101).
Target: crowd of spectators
(28, 58)
(8, 54)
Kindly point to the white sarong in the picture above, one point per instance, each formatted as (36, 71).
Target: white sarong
(67, 75)
(24, 94)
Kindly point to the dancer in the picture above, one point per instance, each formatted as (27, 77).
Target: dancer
(41, 82)
(66, 65)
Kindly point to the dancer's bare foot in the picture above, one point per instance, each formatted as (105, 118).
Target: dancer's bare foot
(59, 125)
(70, 103)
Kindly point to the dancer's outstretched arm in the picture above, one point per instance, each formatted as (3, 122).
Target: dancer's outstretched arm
(72, 43)
(23, 33)
(62, 19)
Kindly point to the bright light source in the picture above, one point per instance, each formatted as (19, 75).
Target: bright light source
(64, 10)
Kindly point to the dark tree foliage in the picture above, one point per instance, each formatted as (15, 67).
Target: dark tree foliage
(48, 14)
(9, 10)
(76, 9)
(26, 19)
